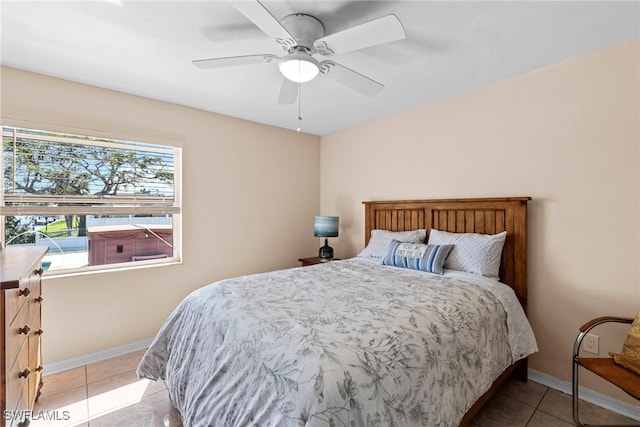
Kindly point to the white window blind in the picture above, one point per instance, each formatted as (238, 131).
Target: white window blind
(46, 173)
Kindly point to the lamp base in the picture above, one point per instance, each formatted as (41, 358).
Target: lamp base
(325, 253)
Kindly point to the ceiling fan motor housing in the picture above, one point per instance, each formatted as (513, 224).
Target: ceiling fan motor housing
(304, 28)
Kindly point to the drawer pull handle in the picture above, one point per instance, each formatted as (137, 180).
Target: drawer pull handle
(39, 271)
(25, 374)
(24, 292)
(39, 299)
(25, 330)
(40, 368)
(39, 331)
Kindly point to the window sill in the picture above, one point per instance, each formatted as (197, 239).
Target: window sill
(100, 269)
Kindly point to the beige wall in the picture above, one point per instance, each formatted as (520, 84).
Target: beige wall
(566, 135)
(249, 196)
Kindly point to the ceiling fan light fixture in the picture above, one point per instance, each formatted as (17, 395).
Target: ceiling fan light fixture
(299, 67)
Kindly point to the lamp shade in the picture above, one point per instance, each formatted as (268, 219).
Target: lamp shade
(326, 226)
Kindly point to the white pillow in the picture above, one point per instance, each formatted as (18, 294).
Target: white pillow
(472, 252)
(381, 239)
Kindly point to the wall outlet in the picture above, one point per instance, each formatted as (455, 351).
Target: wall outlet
(590, 344)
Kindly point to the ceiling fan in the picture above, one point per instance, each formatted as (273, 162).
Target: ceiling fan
(302, 38)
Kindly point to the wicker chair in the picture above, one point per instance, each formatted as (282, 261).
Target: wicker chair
(604, 367)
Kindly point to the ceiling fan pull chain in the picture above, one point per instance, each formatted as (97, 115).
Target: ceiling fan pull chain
(299, 106)
(299, 101)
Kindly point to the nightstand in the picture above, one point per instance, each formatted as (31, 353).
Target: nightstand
(313, 260)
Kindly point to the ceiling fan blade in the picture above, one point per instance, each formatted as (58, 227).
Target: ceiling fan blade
(263, 19)
(350, 78)
(232, 61)
(288, 92)
(381, 30)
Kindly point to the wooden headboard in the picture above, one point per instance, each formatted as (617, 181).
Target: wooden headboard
(488, 216)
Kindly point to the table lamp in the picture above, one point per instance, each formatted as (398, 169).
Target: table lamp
(325, 226)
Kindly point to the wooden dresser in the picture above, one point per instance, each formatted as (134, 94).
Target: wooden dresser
(20, 299)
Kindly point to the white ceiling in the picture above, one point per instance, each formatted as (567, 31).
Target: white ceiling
(146, 48)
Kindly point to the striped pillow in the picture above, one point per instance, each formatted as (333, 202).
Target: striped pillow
(417, 256)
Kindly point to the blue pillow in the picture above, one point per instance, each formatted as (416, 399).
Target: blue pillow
(417, 256)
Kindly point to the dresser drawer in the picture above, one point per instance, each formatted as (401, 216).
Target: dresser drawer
(34, 301)
(17, 416)
(21, 326)
(35, 361)
(16, 298)
(17, 336)
(18, 382)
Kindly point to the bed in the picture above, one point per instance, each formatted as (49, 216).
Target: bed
(354, 342)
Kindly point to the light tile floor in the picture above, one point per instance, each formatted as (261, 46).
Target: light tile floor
(108, 393)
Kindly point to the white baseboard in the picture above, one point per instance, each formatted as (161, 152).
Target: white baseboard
(598, 399)
(87, 359)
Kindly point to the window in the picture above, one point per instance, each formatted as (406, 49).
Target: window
(97, 203)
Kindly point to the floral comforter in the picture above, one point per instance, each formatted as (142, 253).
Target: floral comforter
(346, 343)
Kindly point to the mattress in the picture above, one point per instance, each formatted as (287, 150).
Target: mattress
(345, 343)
